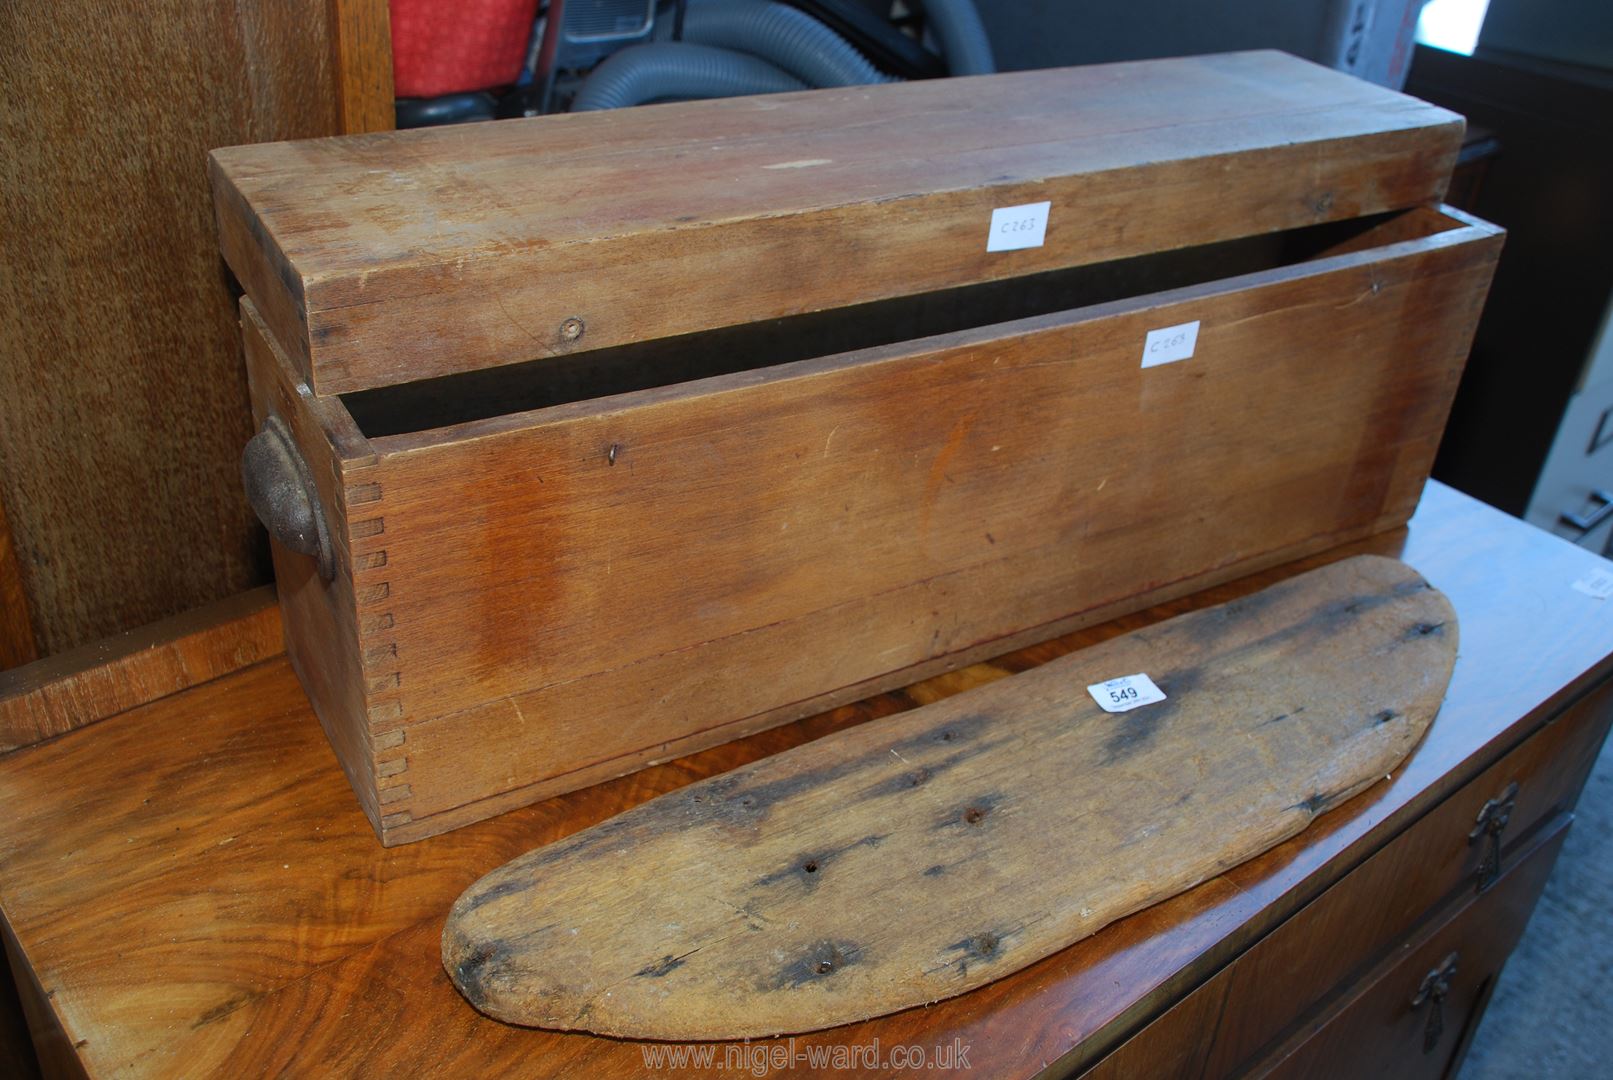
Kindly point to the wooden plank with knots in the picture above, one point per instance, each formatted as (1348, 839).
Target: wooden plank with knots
(911, 860)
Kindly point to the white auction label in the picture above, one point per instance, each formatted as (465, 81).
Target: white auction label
(1169, 344)
(1015, 227)
(1125, 693)
(1599, 584)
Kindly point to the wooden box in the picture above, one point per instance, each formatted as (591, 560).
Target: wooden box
(629, 433)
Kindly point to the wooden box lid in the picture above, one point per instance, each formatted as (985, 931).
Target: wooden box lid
(386, 258)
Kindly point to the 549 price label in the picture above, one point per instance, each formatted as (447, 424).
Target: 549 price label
(1125, 693)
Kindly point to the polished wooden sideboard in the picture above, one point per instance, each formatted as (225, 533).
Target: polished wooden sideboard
(190, 888)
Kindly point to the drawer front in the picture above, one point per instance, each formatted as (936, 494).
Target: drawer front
(1331, 941)
(573, 586)
(1414, 1016)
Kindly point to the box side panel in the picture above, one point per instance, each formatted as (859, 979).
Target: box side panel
(337, 631)
(623, 576)
(496, 721)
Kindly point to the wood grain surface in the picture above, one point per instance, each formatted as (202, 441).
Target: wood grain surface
(127, 670)
(123, 406)
(17, 644)
(193, 887)
(528, 581)
(909, 861)
(395, 257)
(361, 31)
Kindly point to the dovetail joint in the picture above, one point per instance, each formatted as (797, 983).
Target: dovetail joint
(378, 650)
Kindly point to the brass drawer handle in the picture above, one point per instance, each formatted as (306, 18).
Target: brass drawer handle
(283, 495)
(1491, 822)
(1435, 987)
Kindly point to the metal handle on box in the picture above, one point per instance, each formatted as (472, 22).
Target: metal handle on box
(283, 495)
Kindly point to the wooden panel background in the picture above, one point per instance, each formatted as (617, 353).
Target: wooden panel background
(124, 671)
(361, 34)
(123, 403)
(17, 645)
